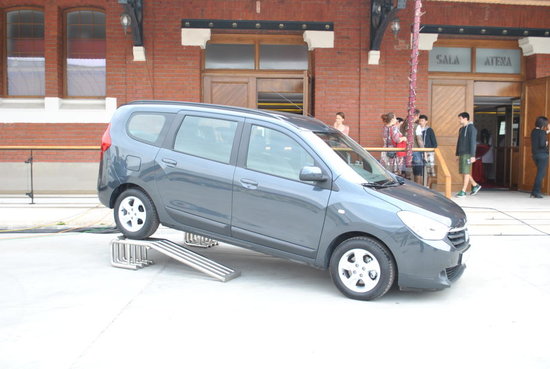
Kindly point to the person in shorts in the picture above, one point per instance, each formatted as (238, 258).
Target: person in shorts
(466, 152)
(417, 156)
(428, 136)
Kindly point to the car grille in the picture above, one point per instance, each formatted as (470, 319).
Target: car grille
(458, 237)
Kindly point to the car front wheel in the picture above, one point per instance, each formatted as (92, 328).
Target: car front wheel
(135, 214)
(362, 268)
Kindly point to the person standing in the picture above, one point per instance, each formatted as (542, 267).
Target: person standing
(402, 144)
(539, 149)
(339, 123)
(466, 152)
(428, 137)
(417, 157)
(392, 137)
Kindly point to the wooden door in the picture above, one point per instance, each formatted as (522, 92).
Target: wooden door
(273, 91)
(448, 98)
(536, 102)
(230, 90)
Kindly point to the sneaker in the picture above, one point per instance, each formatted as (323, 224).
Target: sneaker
(461, 194)
(475, 189)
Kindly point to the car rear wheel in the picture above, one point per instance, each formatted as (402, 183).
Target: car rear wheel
(135, 214)
(362, 268)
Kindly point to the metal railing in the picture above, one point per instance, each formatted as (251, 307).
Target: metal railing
(439, 157)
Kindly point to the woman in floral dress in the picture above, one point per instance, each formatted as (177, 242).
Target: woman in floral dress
(390, 160)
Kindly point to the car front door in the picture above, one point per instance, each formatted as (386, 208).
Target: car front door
(271, 205)
(197, 171)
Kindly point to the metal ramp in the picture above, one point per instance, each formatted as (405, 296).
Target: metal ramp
(132, 254)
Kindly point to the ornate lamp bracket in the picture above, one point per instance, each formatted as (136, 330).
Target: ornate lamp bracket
(382, 13)
(134, 8)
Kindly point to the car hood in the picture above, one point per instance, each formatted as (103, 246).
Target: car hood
(413, 197)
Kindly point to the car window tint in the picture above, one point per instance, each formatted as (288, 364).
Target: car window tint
(275, 153)
(146, 127)
(209, 138)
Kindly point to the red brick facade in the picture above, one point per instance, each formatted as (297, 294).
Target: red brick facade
(343, 79)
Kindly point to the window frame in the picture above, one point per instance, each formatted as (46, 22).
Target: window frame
(236, 138)
(66, 47)
(256, 40)
(317, 161)
(168, 119)
(4, 50)
(474, 44)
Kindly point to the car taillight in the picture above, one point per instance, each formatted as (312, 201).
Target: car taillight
(106, 139)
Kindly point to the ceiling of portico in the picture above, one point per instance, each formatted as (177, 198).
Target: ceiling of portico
(506, 2)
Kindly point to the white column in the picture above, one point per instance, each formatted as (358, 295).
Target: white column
(534, 45)
(139, 53)
(319, 39)
(426, 41)
(374, 57)
(195, 36)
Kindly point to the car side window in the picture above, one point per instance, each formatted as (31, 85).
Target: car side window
(147, 127)
(209, 138)
(275, 153)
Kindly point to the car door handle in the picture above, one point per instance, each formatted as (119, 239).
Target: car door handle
(249, 184)
(169, 162)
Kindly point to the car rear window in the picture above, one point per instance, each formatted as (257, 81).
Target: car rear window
(147, 127)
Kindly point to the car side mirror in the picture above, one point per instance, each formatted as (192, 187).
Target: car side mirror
(314, 174)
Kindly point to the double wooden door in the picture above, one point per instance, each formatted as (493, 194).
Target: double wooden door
(276, 91)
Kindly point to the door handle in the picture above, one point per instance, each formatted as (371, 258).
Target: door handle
(169, 162)
(249, 184)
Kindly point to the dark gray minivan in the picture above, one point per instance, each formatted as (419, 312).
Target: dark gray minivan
(282, 184)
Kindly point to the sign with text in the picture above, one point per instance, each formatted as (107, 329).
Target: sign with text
(450, 59)
(498, 61)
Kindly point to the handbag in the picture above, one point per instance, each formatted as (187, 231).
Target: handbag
(390, 154)
(401, 145)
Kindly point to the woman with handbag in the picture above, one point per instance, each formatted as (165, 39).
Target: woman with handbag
(392, 137)
(401, 143)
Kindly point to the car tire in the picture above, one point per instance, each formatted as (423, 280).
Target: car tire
(362, 268)
(135, 214)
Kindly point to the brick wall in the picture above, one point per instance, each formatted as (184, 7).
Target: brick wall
(537, 66)
(343, 80)
(51, 134)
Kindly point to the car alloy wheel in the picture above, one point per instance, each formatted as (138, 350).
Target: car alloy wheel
(132, 214)
(359, 270)
(135, 214)
(362, 268)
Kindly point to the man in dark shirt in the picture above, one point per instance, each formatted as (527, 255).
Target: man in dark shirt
(539, 149)
(466, 152)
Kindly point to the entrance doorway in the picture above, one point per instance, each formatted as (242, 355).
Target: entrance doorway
(497, 120)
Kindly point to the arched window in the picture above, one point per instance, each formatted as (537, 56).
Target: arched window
(25, 64)
(85, 53)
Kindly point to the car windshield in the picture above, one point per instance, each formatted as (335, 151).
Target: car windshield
(356, 157)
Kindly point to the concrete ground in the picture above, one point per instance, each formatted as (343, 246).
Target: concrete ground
(62, 305)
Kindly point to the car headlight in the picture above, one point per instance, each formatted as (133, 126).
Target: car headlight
(424, 227)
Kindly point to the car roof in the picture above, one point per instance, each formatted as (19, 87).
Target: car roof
(299, 121)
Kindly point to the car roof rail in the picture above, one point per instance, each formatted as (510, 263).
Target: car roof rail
(205, 105)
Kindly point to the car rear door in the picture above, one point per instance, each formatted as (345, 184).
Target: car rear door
(197, 170)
